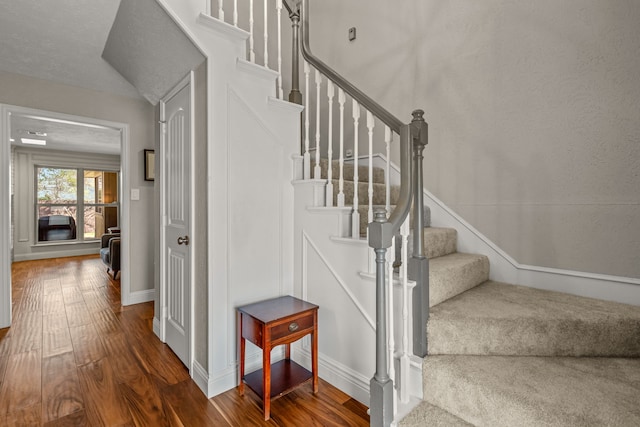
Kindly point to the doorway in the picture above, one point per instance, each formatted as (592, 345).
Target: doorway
(176, 204)
(7, 201)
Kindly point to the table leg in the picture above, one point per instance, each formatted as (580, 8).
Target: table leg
(287, 351)
(241, 356)
(314, 352)
(266, 381)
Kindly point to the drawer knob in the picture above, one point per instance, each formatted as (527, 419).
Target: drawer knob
(293, 327)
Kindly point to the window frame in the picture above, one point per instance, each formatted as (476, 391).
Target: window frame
(80, 204)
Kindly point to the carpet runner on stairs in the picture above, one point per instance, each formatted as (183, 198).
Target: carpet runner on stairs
(508, 355)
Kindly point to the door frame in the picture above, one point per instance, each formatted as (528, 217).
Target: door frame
(5, 199)
(186, 81)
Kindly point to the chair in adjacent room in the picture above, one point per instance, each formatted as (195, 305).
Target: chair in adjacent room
(110, 252)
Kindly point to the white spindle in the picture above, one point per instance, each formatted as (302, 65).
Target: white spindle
(221, 10)
(235, 13)
(252, 51)
(316, 170)
(306, 157)
(355, 217)
(330, 95)
(388, 137)
(279, 8)
(404, 358)
(391, 346)
(266, 34)
(341, 100)
(370, 125)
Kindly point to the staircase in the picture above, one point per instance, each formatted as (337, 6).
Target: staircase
(498, 354)
(508, 355)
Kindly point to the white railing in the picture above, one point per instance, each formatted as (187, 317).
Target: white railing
(316, 107)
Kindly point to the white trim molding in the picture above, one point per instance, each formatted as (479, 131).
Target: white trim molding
(308, 242)
(138, 297)
(5, 218)
(506, 269)
(335, 373)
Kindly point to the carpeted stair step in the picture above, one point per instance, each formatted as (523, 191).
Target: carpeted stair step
(440, 241)
(501, 319)
(426, 414)
(379, 193)
(535, 391)
(453, 274)
(363, 171)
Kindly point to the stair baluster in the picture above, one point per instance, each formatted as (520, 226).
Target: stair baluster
(388, 139)
(279, 15)
(341, 101)
(266, 34)
(329, 190)
(370, 125)
(355, 216)
(306, 156)
(252, 51)
(221, 10)
(316, 170)
(391, 347)
(235, 13)
(404, 358)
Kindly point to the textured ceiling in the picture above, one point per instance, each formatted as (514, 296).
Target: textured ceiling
(61, 41)
(65, 135)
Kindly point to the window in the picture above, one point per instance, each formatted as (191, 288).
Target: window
(60, 197)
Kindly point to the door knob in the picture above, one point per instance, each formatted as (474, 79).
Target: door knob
(183, 240)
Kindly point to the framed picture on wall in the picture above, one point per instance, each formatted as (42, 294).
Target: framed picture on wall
(149, 165)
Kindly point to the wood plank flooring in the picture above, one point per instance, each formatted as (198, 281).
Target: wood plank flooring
(75, 357)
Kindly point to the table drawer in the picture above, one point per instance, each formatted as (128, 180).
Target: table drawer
(294, 326)
(252, 330)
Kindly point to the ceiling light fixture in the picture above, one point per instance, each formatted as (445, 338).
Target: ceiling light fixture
(36, 133)
(30, 141)
(12, 140)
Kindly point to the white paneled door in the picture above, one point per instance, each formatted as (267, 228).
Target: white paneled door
(176, 269)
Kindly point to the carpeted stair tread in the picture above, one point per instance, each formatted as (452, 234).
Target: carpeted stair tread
(535, 391)
(440, 241)
(379, 193)
(453, 274)
(501, 319)
(426, 414)
(363, 171)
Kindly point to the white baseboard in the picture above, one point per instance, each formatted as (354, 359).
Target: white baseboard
(55, 254)
(156, 327)
(342, 377)
(201, 377)
(227, 379)
(138, 297)
(506, 269)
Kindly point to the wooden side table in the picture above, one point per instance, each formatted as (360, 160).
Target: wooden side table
(267, 324)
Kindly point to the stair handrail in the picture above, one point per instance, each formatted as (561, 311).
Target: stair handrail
(372, 106)
(381, 231)
(396, 125)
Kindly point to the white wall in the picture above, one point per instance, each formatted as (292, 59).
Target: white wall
(24, 220)
(249, 143)
(532, 107)
(44, 95)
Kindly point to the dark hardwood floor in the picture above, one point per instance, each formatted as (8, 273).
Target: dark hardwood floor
(75, 357)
